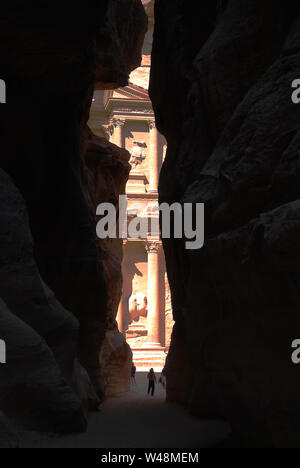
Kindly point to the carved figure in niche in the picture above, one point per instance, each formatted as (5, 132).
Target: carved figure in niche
(137, 153)
(138, 306)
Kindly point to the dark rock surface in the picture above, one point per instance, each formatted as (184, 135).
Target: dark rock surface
(8, 435)
(40, 335)
(221, 90)
(51, 61)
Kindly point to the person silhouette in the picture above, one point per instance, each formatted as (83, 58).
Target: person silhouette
(152, 381)
(133, 372)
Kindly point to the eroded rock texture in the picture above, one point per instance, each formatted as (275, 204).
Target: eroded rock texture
(51, 61)
(221, 90)
(107, 170)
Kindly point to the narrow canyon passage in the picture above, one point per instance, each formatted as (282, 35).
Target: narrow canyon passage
(136, 420)
(109, 113)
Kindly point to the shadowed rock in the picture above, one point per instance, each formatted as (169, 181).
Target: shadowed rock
(51, 61)
(221, 90)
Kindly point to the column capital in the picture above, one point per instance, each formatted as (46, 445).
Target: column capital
(152, 246)
(115, 122)
(152, 124)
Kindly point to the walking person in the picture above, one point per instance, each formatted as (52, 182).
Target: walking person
(133, 372)
(152, 381)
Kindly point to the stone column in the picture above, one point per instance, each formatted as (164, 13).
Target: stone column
(120, 316)
(123, 306)
(153, 248)
(153, 157)
(117, 136)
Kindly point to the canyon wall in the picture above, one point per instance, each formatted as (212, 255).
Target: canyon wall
(60, 286)
(221, 89)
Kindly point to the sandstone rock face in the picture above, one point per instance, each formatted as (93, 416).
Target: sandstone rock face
(107, 171)
(119, 42)
(116, 360)
(221, 90)
(46, 149)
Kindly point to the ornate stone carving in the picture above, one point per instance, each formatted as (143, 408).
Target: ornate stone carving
(137, 154)
(118, 122)
(138, 304)
(152, 246)
(132, 110)
(113, 123)
(151, 124)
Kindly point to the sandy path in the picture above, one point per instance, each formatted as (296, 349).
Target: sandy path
(136, 420)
